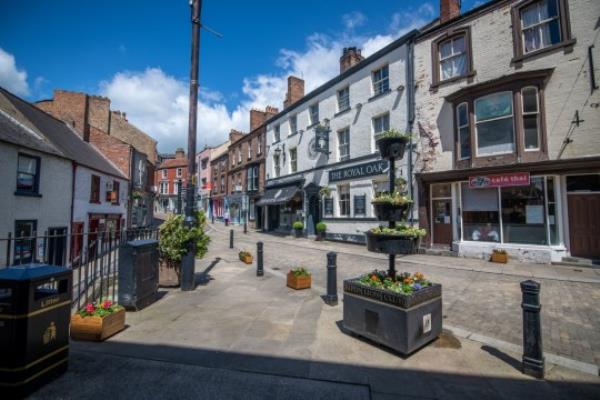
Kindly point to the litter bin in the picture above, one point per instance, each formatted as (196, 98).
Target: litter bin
(35, 309)
(138, 274)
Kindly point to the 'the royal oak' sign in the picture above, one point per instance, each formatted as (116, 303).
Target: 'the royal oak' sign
(359, 171)
(500, 180)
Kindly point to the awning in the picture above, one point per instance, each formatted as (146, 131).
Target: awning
(278, 196)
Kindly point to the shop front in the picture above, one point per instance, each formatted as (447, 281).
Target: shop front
(237, 207)
(283, 205)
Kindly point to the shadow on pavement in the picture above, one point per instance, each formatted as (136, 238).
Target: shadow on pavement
(202, 278)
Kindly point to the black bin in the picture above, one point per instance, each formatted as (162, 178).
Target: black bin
(138, 274)
(35, 310)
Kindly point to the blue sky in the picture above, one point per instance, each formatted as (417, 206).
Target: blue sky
(137, 53)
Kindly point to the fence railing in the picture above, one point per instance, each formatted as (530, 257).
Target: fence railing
(93, 257)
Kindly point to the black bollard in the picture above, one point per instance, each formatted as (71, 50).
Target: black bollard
(259, 259)
(245, 227)
(331, 298)
(533, 356)
(231, 239)
(226, 221)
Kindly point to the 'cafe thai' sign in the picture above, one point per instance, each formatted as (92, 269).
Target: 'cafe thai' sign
(500, 180)
(359, 171)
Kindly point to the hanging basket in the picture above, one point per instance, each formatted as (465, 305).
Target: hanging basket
(391, 147)
(391, 244)
(391, 212)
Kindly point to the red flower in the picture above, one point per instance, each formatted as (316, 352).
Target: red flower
(106, 304)
(90, 308)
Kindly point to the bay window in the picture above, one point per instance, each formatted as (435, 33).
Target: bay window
(494, 124)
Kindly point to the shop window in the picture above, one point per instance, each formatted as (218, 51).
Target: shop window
(523, 213)
(552, 213)
(28, 174)
(531, 118)
(344, 144)
(494, 124)
(344, 200)
(481, 219)
(25, 241)
(464, 134)
(441, 191)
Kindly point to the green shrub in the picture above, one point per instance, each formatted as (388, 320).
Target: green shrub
(395, 199)
(174, 236)
(400, 230)
(393, 134)
(300, 271)
(321, 227)
(298, 225)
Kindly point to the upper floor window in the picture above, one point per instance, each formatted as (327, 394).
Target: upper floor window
(381, 123)
(204, 163)
(222, 184)
(164, 173)
(464, 134)
(250, 149)
(178, 173)
(164, 187)
(453, 58)
(540, 25)
(276, 133)
(381, 80)
(276, 166)
(494, 125)
(314, 113)
(531, 118)
(293, 160)
(239, 155)
(344, 144)
(293, 124)
(258, 145)
(95, 189)
(28, 174)
(112, 196)
(343, 98)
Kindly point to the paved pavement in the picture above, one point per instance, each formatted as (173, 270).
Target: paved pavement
(238, 336)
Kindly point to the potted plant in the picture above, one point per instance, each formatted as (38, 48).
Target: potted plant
(245, 257)
(400, 239)
(299, 278)
(298, 228)
(97, 322)
(321, 228)
(499, 256)
(174, 237)
(391, 143)
(391, 206)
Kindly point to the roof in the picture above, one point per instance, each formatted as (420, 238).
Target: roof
(220, 150)
(59, 135)
(173, 163)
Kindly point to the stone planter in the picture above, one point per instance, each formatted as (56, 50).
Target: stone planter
(320, 236)
(391, 147)
(298, 282)
(169, 274)
(246, 259)
(97, 329)
(499, 257)
(391, 212)
(403, 323)
(298, 233)
(391, 244)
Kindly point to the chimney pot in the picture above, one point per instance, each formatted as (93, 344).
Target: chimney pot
(350, 56)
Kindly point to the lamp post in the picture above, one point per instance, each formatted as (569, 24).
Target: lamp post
(188, 260)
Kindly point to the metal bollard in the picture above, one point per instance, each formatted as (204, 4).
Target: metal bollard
(331, 298)
(259, 259)
(226, 222)
(231, 238)
(245, 227)
(533, 357)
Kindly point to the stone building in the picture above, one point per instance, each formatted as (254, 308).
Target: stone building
(507, 118)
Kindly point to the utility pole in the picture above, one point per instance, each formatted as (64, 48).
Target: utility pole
(188, 261)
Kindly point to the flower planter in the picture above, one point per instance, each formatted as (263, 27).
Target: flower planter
(391, 244)
(169, 274)
(246, 259)
(298, 233)
(401, 300)
(391, 212)
(97, 328)
(499, 258)
(298, 282)
(320, 236)
(391, 147)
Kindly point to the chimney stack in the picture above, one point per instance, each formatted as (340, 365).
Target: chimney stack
(258, 117)
(295, 91)
(350, 56)
(449, 9)
(179, 153)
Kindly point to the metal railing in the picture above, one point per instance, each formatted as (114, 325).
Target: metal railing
(93, 257)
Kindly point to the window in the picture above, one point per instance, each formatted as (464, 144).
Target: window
(531, 118)
(343, 97)
(204, 163)
(314, 113)
(203, 183)
(481, 219)
(344, 200)
(381, 81)
(464, 134)
(523, 210)
(381, 123)
(25, 242)
(164, 187)
(344, 144)
(258, 145)
(114, 198)
(276, 166)
(255, 177)
(453, 58)
(276, 133)
(293, 160)
(252, 179)
(222, 184)
(250, 149)
(95, 189)
(164, 174)
(494, 124)
(28, 170)
(178, 173)
(293, 124)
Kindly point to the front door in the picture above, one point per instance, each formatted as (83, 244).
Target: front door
(584, 224)
(442, 221)
(314, 209)
(273, 212)
(57, 246)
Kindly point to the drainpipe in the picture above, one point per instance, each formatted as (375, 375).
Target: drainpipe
(74, 171)
(410, 102)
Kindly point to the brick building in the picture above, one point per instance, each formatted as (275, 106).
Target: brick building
(170, 179)
(133, 151)
(246, 174)
(218, 168)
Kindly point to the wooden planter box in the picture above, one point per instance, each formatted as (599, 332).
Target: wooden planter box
(246, 259)
(499, 258)
(169, 274)
(97, 329)
(298, 282)
(391, 147)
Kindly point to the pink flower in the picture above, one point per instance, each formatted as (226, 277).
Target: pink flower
(90, 308)
(106, 304)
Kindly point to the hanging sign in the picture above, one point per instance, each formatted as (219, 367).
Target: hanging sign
(500, 180)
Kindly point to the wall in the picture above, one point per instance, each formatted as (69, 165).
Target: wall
(53, 209)
(121, 128)
(114, 149)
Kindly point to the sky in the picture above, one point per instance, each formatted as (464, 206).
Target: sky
(137, 52)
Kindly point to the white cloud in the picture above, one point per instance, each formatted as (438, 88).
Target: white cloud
(11, 78)
(353, 20)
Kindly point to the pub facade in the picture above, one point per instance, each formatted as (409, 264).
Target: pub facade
(509, 144)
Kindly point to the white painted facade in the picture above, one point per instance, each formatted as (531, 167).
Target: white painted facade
(566, 92)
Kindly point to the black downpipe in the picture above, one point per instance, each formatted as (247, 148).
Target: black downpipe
(410, 101)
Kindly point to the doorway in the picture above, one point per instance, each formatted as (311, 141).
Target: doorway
(314, 210)
(441, 214)
(583, 193)
(57, 246)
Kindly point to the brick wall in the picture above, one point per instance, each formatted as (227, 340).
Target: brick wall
(295, 91)
(99, 112)
(70, 107)
(121, 128)
(114, 149)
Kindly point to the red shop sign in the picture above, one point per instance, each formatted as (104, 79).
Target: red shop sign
(501, 180)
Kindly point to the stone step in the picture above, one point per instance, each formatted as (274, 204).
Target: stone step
(578, 262)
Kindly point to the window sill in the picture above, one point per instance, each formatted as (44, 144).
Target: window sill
(435, 85)
(27, 194)
(342, 112)
(293, 133)
(567, 45)
(95, 202)
(378, 95)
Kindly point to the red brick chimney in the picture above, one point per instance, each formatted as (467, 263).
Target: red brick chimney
(350, 56)
(449, 9)
(295, 91)
(179, 153)
(258, 117)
